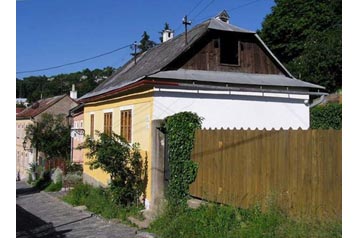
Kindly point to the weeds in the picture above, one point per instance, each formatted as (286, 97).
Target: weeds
(212, 220)
(98, 200)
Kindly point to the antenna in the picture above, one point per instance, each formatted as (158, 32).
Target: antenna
(186, 23)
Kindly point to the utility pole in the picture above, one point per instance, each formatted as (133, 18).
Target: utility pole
(186, 23)
(135, 52)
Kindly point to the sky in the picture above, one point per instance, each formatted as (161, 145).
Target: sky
(55, 32)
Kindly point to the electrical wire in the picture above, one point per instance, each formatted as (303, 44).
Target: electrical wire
(202, 10)
(75, 62)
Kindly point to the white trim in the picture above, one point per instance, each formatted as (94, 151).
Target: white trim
(107, 110)
(130, 107)
(91, 113)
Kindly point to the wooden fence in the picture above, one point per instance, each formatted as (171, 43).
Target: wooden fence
(300, 169)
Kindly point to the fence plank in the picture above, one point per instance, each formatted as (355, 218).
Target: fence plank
(303, 168)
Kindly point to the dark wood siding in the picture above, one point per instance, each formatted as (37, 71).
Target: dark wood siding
(253, 58)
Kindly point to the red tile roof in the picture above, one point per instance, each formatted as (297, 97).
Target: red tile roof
(38, 107)
(19, 109)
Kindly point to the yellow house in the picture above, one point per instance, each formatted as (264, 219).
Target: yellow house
(224, 73)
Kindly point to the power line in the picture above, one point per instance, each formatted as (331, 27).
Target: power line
(75, 62)
(202, 10)
(233, 9)
(242, 5)
(190, 12)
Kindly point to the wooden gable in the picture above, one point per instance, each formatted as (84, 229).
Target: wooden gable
(243, 53)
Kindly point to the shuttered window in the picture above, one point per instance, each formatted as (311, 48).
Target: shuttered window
(92, 126)
(107, 123)
(126, 125)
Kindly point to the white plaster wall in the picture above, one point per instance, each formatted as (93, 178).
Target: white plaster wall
(240, 110)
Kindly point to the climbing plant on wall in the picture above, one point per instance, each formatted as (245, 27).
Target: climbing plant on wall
(180, 129)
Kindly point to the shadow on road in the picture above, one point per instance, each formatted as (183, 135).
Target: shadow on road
(29, 225)
(26, 191)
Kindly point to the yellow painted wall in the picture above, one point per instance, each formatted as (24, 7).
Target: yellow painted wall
(141, 104)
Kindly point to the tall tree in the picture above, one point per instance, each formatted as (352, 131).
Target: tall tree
(145, 43)
(307, 37)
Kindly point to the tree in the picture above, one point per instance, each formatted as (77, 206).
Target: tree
(86, 80)
(50, 135)
(145, 42)
(306, 37)
(123, 162)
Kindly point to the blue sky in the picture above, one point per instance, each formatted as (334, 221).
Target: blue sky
(56, 32)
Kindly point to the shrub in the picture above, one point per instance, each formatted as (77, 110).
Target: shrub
(98, 200)
(73, 167)
(123, 162)
(54, 187)
(327, 116)
(44, 181)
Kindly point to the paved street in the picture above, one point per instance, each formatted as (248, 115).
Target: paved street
(40, 215)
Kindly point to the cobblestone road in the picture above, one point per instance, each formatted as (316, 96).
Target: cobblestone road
(38, 214)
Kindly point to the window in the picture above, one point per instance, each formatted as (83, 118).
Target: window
(229, 51)
(107, 123)
(92, 126)
(126, 125)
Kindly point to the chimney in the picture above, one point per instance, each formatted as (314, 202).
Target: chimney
(223, 16)
(73, 92)
(167, 35)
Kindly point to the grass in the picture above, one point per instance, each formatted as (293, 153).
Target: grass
(212, 220)
(98, 201)
(53, 187)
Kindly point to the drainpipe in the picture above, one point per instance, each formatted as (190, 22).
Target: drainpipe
(316, 101)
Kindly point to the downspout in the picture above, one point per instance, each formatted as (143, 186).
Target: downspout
(316, 101)
(36, 150)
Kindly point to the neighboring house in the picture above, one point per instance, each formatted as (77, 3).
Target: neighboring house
(77, 133)
(55, 105)
(224, 73)
(19, 109)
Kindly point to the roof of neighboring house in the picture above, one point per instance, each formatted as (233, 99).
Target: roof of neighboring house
(76, 110)
(39, 106)
(156, 60)
(19, 109)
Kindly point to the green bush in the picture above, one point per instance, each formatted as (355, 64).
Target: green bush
(123, 162)
(98, 200)
(54, 187)
(43, 181)
(180, 129)
(327, 116)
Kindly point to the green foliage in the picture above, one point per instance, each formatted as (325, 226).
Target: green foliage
(180, 129)
(212, 220)
(307, 37)
(48, 86)
(50, 135)
(123, 162)
(54, 187)
(73, 167)
(44, 181)
(145, 42)
(327, 116)
(98, 200)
